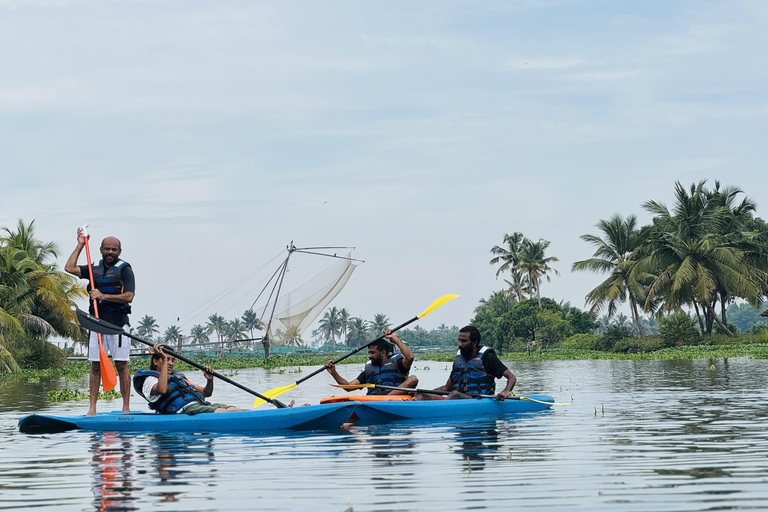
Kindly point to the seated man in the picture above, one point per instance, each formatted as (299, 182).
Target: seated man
(474, 371)
(169, 392)
(382, 369)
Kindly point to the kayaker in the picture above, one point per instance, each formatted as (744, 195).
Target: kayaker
(169, 392)
(115, 288)
(383, 369)
(474, 371)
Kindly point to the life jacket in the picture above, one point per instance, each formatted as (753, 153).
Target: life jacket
(469, 376)
(110, 282)
(179, 392)
(388, 374)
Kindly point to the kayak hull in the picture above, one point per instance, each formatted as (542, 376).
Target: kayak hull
(313, 417)
(383, 412)
(365, 398)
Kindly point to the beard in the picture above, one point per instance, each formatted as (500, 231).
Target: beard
(467, 352)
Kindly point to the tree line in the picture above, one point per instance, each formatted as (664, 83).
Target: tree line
(704, 252)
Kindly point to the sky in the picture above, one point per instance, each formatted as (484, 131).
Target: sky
(209, 135)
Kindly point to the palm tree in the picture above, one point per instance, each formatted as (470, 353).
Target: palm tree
(534, 264)
(218, 324)
(251, 322)
(330, 325)
(344, 324)
(380, 324)
(198, 335)
(171, 334)
(148, 327)
(236, 330)
(615, 255)
(693, 259)
(35, 298)
(509, 255)
(358, 331)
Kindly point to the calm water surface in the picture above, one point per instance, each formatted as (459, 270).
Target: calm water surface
(638, 436)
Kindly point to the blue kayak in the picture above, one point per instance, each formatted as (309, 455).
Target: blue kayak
(447, 410)
(312, 417)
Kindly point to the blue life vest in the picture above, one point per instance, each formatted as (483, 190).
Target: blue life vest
(469, 376)
(179, 392)
(110, 282)
(388, 374)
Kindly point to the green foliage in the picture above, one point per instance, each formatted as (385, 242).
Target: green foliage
(70, 395)
(551, 329)
(744, 316)
(33, 353)
(637, 345)
(613, 335)
(583, 341)
(678, 327)
(731, 327)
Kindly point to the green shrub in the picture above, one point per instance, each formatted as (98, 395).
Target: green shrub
(719, 330)
(613, 335)
(637, 345)
(678, 328)
(583, 341)
(32, 353)
(756, 329)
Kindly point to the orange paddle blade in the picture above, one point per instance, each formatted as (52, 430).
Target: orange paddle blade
(108, 377)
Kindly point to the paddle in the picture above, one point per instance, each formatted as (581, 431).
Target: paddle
(438, 392)
(108, 377)
(278, 391)
(94, 324)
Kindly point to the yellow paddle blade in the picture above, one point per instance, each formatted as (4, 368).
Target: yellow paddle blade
(272, 393)
(439, 302)
(540, 401)
(353, 386)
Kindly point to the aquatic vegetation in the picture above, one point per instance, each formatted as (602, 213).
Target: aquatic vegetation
(69, 395)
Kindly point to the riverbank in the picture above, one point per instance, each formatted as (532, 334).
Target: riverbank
(74, 370)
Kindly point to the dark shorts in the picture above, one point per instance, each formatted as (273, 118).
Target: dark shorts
(193, 409)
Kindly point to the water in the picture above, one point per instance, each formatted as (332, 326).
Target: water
(639, 436)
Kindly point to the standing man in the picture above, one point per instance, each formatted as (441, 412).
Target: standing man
(382, 369)
(475, 370)
(115, 286)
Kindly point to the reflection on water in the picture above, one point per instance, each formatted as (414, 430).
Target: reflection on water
(112, 462)
(640, 435)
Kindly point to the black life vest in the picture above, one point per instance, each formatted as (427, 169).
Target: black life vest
(179, 392)
(110, 282)
(388, 374)
(469, 376)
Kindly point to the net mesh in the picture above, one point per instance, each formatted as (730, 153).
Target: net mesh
(296, 310)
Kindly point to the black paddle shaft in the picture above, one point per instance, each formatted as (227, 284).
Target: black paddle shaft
(358, 349)
(428, 391)
(96, 324)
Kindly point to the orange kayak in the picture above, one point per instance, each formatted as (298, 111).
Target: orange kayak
(366, 398)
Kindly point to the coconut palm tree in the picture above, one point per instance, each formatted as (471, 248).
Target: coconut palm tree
(508, 255)
(615, 255)
(344, 324)
(379, 324)
(330, 325)
(148, 327)
(692, 258)
(35, 298)
(218, 324)
(236, 330)
(534, 264)
(198, 335)
(358, 331)
(251, 322)
(171, 334)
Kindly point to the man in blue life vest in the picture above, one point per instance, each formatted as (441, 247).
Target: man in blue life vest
(383, 369)
(115, 288)
(169, 392)
(475, 370)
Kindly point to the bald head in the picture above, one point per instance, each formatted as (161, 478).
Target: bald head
(112, 241)
(110, 250)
